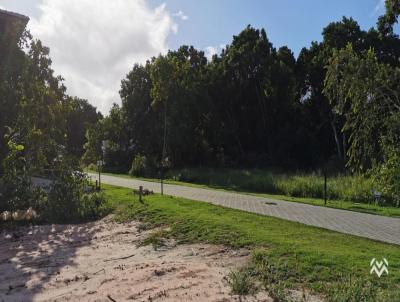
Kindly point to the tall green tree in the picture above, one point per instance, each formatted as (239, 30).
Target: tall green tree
(387, 21)
(366, 92)
(80, 116)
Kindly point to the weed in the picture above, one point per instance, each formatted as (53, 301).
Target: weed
(241, 282)
(353, 289)
(156, 239)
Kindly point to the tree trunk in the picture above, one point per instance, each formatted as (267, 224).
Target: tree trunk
(338, 147)
(344, 146)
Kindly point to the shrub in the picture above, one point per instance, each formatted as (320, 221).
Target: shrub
(16, 191)
(92, 205)
(387, 178)
(69, 199)
(140, 166)
(92, 167)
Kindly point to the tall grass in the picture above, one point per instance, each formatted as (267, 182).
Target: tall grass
(355, 188)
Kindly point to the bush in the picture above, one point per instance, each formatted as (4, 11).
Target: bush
(140, 166)
(16, 191)
(93, 167)
(387, 178)
(69, 199)
(92, 205)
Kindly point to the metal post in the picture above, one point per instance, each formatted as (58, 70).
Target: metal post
(162, 181)
(325, 184)
(99, 167)
(164, 148)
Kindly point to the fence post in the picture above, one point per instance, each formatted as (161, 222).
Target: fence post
(140, 194)
(99, 167)
(325, 185)
(162, 181)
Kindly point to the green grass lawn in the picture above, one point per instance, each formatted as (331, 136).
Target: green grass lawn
(370, 208)
(316, 258)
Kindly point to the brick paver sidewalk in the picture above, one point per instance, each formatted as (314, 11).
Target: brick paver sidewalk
(375, 227)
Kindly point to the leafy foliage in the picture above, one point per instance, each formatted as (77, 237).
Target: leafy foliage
(366, 93)
(16, 190)
(140, 166)
(387, 174)
(70, 199)
(38, 134)
(255, 105)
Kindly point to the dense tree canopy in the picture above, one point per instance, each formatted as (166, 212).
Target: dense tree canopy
(252, 105)
(36, 111)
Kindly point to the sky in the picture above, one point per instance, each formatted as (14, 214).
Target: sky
(94, 43)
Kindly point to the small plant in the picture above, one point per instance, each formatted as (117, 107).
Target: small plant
(92, 205)
(156, 239)
(353, 289)
(279, 293)
(241, 282)
(273, 276)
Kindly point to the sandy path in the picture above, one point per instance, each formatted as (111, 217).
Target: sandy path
(101, 261)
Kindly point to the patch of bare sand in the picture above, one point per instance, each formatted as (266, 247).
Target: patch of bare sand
(102, 261)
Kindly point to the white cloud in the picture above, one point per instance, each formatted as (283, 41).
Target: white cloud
(180, 14)
(94, 44)
(210, 51)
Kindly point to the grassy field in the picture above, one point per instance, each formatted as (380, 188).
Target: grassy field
(241, 181)
(324, 261)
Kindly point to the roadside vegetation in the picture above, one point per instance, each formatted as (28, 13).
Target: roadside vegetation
(349, 188)
(286, 255)
(249, 111)
(353, 193)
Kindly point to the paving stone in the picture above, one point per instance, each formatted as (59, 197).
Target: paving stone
(381, 228)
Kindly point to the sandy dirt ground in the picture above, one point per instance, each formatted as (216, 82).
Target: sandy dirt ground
(104, 261)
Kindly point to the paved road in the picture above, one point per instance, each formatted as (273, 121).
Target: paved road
(375, 227)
